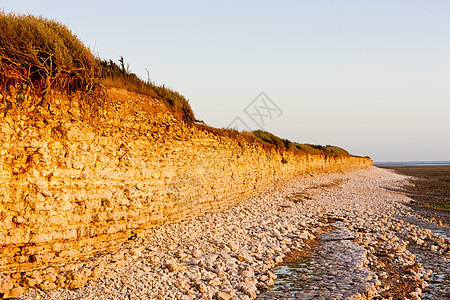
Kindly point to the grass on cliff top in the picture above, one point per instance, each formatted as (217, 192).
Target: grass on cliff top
(46, 55)
(117, 76)
(269, 140)
(278, 142)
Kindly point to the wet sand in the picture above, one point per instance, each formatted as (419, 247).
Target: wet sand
(429, 191)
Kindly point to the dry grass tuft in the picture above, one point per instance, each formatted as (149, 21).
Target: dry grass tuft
(44, 54)
(117, 76)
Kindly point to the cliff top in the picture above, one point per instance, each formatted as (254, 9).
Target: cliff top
(44, 55)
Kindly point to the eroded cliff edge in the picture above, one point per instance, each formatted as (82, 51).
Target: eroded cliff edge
(72, 186)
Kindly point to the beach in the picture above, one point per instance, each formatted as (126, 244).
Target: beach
(259, 177)
(327, 236)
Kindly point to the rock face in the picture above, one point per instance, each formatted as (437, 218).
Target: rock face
(72, 185)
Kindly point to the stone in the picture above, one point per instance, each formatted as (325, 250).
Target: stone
(223, 296)
(247, 273)
(20, 220)
(77, 279)
(175, 267)
(97, 272)
(262, 286)
(233, 246)
(48, 285)
(248, 289)
(243, 257)
(271, 275)
(136, 252)
(279, 258)
(215, 281)
(270, 282)
(201, 287)
(197, 253)
(153, 259)
(14, 292)
(28, 281)
(180, 254)
(5, 283)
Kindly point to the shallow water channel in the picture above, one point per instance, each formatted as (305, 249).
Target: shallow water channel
(333, 271)
(288, 282)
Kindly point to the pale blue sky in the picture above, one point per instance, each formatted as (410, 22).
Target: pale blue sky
(370, 76)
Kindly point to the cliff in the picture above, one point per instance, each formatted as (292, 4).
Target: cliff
(72, 186)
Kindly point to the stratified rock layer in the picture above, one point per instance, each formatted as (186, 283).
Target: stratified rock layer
(77, 180)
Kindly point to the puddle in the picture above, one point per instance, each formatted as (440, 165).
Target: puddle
(289, 282)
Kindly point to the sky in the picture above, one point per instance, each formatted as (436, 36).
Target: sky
(370, 76)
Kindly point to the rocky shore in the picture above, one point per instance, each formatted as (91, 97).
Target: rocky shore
(362, 249)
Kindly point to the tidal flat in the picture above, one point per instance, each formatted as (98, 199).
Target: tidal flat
(429, 190)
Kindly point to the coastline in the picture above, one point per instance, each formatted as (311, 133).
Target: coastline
(232, 254)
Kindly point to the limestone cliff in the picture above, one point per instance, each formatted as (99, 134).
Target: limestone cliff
(72, 185)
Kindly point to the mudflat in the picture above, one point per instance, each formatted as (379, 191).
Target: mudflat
(429, 191)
